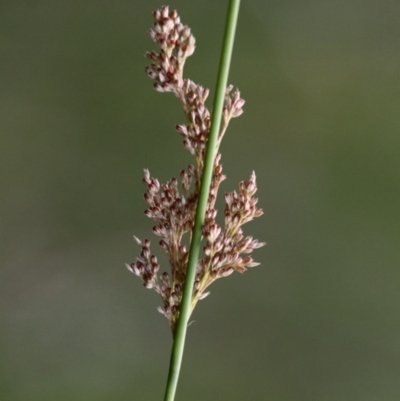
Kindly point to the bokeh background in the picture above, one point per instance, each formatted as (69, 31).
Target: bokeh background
(318, 320)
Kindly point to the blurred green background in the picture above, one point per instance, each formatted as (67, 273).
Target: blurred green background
(318, 320)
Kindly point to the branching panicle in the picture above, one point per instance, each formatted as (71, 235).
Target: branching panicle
(172, 206)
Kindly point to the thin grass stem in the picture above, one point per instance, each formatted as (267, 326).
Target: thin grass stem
(212, 144)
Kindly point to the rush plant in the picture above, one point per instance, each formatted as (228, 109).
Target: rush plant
(183, 209)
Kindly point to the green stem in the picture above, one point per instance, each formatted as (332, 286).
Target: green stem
(212, 144)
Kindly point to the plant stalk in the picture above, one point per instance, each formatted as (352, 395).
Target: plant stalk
(211, 149)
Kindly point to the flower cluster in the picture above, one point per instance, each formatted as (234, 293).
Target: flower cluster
(172, 206)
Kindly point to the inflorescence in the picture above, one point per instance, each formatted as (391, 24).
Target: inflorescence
(172, 208)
